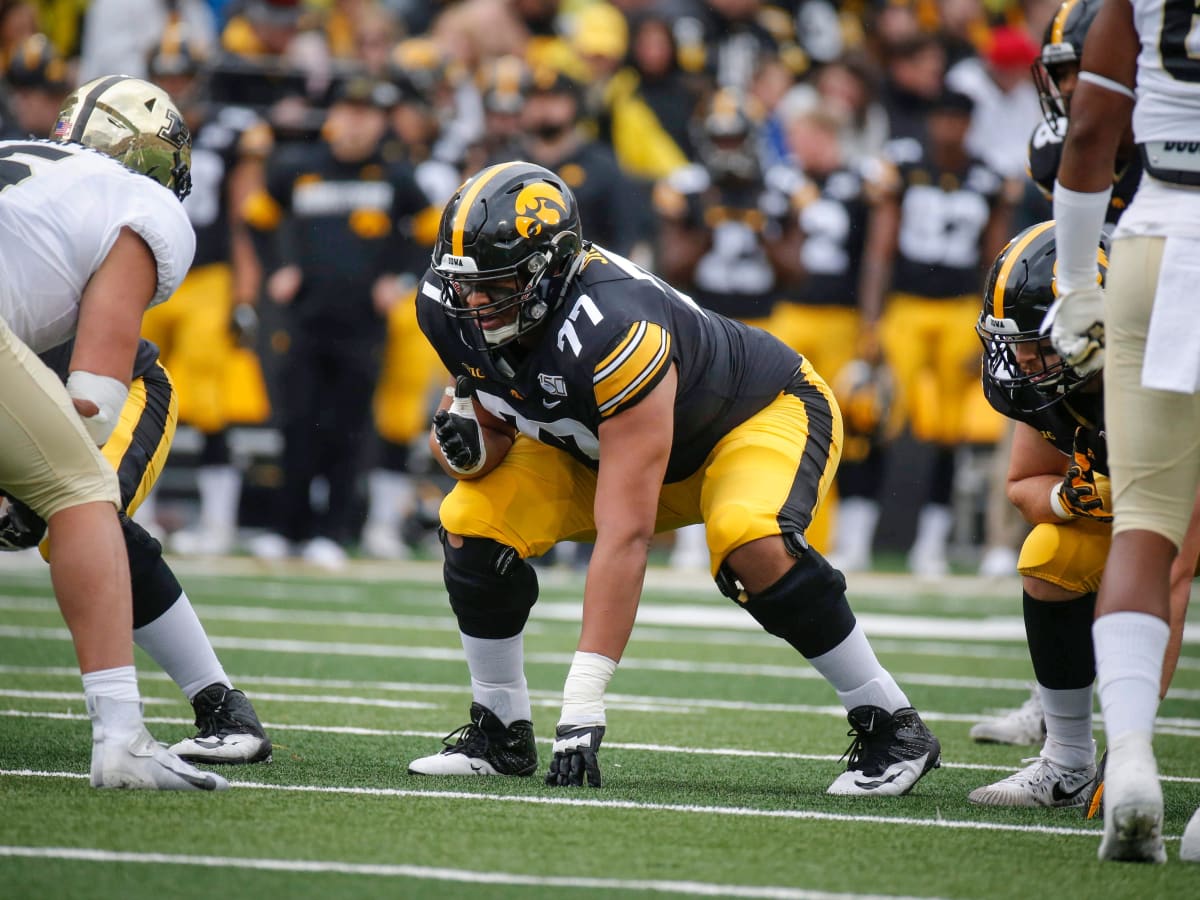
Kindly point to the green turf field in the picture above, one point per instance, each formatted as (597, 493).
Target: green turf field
(721, 742)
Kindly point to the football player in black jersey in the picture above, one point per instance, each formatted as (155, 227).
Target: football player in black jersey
(207, 336)
(1058, 479)
(594, 402)
(1056, 73)
(928, 244)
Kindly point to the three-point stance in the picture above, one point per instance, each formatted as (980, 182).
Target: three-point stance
(595, 402)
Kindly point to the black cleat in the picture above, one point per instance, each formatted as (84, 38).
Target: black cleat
(890, 753)
(229, 730)
(483, 747)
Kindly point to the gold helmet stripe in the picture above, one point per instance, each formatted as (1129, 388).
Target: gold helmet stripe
(464, 206)
(1060, 21)
(1010, 260)
(87, 106)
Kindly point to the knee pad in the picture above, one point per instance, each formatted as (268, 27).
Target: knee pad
(806, 607)
(491, 588)
(155, 588)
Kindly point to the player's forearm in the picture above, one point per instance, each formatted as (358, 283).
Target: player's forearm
(610, 597)
(1031, 497)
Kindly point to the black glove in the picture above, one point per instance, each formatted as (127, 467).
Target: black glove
(243, 325)
(1078, 491)
(575, 749)
(458, 431)
(20, 527)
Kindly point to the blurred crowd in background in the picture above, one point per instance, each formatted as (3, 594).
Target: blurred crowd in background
(839, 173)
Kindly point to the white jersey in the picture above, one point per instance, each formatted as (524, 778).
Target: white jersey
(61, 209)
(1168, 71)
(1167, 108)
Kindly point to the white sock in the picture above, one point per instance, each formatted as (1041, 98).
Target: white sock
(122, 711)
(498, 676)
(391, 494)
(934, 524)
(1129, 658)
(1068, 714)
(857, 676)
(177, 641)
(220, 490)
(854, 533)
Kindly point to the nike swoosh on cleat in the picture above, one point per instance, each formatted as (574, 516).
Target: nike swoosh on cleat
(477, 769)
(1059, 794)
(871, 785)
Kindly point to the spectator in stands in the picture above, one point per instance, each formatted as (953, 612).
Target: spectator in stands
(39, 81)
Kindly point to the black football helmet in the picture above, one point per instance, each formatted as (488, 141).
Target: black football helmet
(1020, 289)
(1062, 46)
(726, 137)
(513, 232)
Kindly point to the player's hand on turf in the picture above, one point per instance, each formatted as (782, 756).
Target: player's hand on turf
(575, 758)
(1075, 324)
(458, 432)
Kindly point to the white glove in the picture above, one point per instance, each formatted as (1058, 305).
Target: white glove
(1075, 324)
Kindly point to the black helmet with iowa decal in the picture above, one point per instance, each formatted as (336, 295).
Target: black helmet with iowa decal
(511, 232)
(1020, 288)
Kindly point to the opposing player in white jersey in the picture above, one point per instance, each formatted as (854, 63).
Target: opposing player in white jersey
(87, 243)
(1152, 372)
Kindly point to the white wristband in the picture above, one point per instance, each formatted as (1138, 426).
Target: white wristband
(583, 694)
(1056, 504)
(108, 394)
(1079, 216)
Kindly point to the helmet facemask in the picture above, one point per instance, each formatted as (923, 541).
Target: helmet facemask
(1026, 392)
(1047, 73)
(533, 288)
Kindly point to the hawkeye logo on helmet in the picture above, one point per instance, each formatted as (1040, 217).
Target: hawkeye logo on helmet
(539, 204)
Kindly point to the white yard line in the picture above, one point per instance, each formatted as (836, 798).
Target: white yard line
(617, 745)
(429, 873)
(584, 802)
(799, 671)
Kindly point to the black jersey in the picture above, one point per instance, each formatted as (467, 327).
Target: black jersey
(614, 337)
(59, 358)
(217, 145)
(831, 213)
(943, 216)
(1057, 423)
(344, 224)
(734, 277)
(1045, 155)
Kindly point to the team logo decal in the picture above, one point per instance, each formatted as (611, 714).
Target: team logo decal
(539, 204)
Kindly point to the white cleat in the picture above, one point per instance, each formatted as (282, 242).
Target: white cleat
(1133, 803)
(1023, 726)
(325, 554)
(138, 762)
(1189, 845)
(202, 542)
(1042, 783)
(383, 542)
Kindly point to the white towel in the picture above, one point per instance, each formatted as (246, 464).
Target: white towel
(1172, 361)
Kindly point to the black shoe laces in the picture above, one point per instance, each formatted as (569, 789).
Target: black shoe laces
(859, 746)
(469, 739)
(218, 720)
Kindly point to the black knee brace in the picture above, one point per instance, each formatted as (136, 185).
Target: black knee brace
(155, 588)
(1060, 641)
(806, 607)
(491, 588)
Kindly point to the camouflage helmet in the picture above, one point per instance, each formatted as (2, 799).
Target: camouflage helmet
(134, 122)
